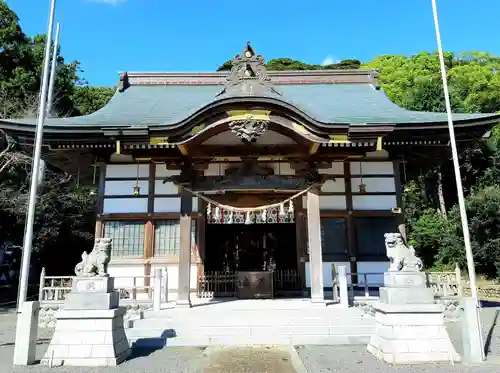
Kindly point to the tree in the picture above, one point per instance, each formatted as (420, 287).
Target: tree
(87, 99)
(282, 64)
(21, 63)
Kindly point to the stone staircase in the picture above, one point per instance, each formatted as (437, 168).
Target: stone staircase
(252, 322)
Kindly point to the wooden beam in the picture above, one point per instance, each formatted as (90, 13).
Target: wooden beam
(313, 148)
(183, 149)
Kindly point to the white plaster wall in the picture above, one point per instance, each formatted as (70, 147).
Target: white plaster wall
(173, 275)
(165, 188)
(126, 170)
(378, 268)
(327, 272)
(372, 168)
(337, 168)
(125, 205)
(334, 186)
(171, 204)
(374, 184)
(381, 202)
(125, 187)
(331, 202)
(124, 274)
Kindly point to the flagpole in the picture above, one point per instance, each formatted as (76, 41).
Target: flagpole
(35, 168)
(53, 66)
(458, 179)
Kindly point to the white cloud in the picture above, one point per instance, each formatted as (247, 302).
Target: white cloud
(329, 60)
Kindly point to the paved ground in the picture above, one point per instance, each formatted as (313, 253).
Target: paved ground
(317, 359)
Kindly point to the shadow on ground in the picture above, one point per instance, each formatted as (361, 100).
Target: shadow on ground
(143, 347)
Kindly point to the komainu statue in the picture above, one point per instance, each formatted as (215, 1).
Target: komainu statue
(95, 263)
(401, 257)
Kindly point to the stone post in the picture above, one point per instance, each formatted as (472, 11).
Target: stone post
(342, 276)
(409, 325)
(157, 290)
(164, 284)
(26, 334)
(472, 340)
(315, 252)
(41, 285)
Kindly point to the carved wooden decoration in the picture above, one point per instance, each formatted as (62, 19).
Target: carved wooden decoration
(248, 129)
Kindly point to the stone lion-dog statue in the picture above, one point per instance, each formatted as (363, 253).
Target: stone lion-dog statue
(95, 263)
(401, 257)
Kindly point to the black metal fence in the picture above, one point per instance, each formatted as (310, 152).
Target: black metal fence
(223, 283)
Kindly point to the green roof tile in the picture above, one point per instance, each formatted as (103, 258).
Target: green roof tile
(163, 105)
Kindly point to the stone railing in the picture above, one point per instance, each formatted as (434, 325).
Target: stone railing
(136, 294)
(362, 289)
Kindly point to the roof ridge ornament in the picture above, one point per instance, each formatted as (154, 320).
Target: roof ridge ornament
(248, 76)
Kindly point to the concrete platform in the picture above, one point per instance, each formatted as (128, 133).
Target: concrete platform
(253, 322)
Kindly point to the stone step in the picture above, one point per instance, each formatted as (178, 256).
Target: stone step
(247, 331)
(168, 322)
(158, 342)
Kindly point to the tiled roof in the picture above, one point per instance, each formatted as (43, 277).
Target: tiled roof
(154, 105)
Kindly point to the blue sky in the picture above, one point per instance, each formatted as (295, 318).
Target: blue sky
(108, 36)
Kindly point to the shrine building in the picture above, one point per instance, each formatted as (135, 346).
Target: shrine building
(248, 183)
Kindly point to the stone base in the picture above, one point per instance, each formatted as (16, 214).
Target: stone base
(88, 338)
(410, 334)
(185, 303)
(406, 296)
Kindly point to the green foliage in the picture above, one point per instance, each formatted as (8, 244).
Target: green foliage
(21, 63)
(87, 99)
(282, 64)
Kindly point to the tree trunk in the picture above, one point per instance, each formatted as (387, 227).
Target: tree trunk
(440, 194)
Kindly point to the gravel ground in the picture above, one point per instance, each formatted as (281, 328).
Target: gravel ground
(355, 359)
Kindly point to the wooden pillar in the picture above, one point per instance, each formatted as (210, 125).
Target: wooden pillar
(399, 198)
(350, 223)
(315, 252)
(300, 221)
(184, 284)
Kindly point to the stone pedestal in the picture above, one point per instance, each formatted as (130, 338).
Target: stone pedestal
(409, 325)
(411, 333)
(89, 330)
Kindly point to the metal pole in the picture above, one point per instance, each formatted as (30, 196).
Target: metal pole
(35, 168)
(458, 179)
(53, 71)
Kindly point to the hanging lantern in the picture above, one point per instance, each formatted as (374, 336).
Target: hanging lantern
(217, 212)
(264, 215)
(230, 220)
(248, 219)
(282, 210)
(209, 210)
(136, 190)
(290, 207)
(361, 186)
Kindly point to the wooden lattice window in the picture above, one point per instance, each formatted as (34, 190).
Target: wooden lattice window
(128, 238)
(167, 240)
